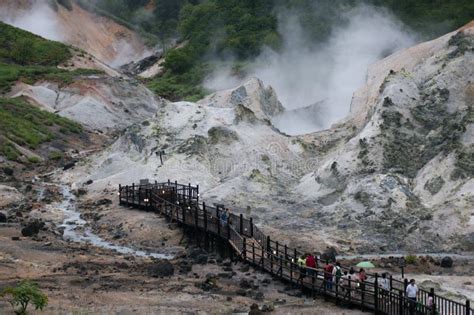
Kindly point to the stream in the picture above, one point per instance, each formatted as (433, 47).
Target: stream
(76, 229)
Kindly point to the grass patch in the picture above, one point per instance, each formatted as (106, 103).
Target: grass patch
(29, 126)
(24, 48)
(11, 73)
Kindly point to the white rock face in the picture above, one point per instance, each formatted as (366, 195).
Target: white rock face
(98, 103)
(9, 195)
(397, 174)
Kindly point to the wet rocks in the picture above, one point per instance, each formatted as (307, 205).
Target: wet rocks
(32, 228)
(160, 269)
(103, 202)
(447, 262)
(209, 284)
(254, 310)
(198, 256)
(3, 217)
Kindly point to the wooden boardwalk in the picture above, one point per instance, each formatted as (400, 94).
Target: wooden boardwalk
(181, 203)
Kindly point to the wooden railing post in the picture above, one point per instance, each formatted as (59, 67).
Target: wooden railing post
(376, 293)
(391, 283)
(251, 227)
(433, 305)
(286, 252)
(241, 224)
(253, 253)
(276, 249)
(218, 221)
(400, 302)
(244, 249)
(228, 228)
(468, 307)
(190, 193)
(196, 222)
(291, 272)
(197, 193)
(183, 213)
(268, 244)
(120, 194)
(139, 196)
(271, 263)
(133, 193)
(205, 215)
(176, 189)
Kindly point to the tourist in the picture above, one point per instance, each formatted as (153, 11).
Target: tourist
(362, 278)
(412, 291)
(302, 267)
(430, 302)
(337, 273)
(328, 274)
(224, 216)
(311, 264)
(384, 283)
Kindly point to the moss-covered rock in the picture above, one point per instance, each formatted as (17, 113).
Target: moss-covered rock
(434, 185)
(221, 134)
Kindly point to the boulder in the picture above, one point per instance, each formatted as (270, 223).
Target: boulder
(447, 262)
(3, 218)
(32, 228)
(103, 202)
(162, 268)
(255, 310)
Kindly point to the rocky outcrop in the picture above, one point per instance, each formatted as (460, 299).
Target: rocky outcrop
(98, 102)
(396, 174)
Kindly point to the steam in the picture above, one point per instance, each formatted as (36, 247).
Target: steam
(324, 75)
(38, 19)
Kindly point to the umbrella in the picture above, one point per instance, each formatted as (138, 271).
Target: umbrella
(365, 264)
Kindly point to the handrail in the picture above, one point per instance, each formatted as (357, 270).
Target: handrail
(186, 208)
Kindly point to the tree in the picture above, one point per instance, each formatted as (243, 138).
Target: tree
(24, 293)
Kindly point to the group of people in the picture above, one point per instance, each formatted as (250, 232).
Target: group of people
(349, 281)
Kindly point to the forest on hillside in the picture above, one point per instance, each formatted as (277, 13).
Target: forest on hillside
(216, 29)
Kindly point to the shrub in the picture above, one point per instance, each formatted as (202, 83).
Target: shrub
(33, 159)
(55, 155)
(24, 293)
(410, 259)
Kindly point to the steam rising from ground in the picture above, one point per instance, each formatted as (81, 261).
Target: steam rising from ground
(304, 74)
(38, 19)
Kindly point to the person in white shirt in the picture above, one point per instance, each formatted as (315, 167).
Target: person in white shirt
(411, 292)
(384, 283)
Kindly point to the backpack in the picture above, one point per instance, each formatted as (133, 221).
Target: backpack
(338, 272)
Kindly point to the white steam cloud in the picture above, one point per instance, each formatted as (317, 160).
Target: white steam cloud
(38, 19)
(324, 75)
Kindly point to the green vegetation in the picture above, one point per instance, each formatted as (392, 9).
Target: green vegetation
(23, 48)
(411, 259)
(29, 58)
(55, 155)
(213, 30)
(24, 293)
(26, 125)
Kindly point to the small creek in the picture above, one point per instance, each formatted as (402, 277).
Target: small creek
(76, 229)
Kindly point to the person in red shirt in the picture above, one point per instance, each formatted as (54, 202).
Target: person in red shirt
(362, 279)
(328, 274)
(310, 263)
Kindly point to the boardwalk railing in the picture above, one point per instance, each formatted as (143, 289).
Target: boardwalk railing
(181, 203)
